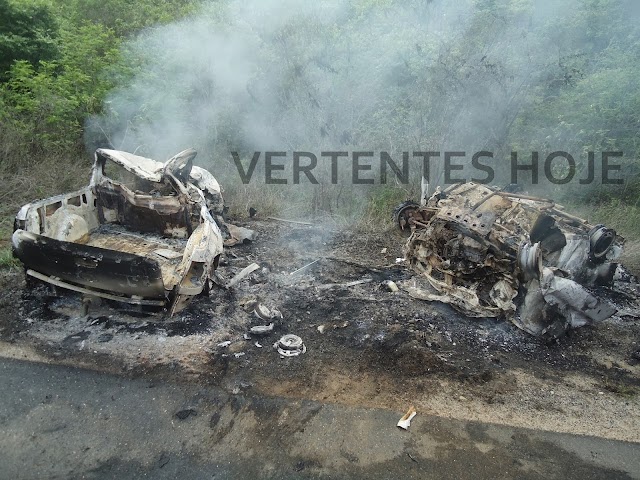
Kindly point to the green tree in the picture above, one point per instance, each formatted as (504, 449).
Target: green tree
(28, 32)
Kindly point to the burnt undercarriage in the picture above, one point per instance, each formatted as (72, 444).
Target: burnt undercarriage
(491, 253)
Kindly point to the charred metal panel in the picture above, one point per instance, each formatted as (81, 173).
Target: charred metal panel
(92, 267)
(142, 218)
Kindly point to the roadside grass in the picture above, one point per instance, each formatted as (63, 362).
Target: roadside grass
(340, 207)
(624, 219)
(29, 181)
(7, 260)
(26, 181)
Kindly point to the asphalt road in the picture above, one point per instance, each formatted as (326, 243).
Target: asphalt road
(64, 423)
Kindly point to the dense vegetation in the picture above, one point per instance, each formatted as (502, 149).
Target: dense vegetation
(156, 77)
(58, 61)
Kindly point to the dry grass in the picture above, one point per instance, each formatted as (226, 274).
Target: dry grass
(364, 208)
(31, 181)
(625, 219)
(7, 260)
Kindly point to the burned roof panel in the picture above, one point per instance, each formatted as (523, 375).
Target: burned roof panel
(141, 166)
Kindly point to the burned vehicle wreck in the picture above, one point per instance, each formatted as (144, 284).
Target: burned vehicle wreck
(492, 253)
(142, 232)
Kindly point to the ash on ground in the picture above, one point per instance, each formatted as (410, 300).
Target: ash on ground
(365, 345)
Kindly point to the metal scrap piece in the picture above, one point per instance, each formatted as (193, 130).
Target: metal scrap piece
(327, 286)
(239, 235)
(262, 329)
(577, 305)
(243, 273)
(265, 313)
(390, 285)
(290, 345)
(305, 267)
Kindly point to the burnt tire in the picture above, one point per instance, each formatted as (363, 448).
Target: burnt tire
(400, 213)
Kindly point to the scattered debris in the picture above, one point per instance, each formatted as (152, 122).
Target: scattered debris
(328, 286)
(296, 222)
(239, 354)
(262, 329)
(305, 267)
(390, 285)
(491, 253)
(322, 328)
(257, 344)
(242, 274)
(240, 387)
(290, 345)
(405, 421)
(387, 337)
(225, 343)
(248, 304)
(265, 313)
(239, 235)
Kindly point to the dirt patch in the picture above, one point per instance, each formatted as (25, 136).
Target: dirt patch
(365, 345)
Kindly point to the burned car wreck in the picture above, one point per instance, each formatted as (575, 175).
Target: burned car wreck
(142, 232)
(492, 253)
